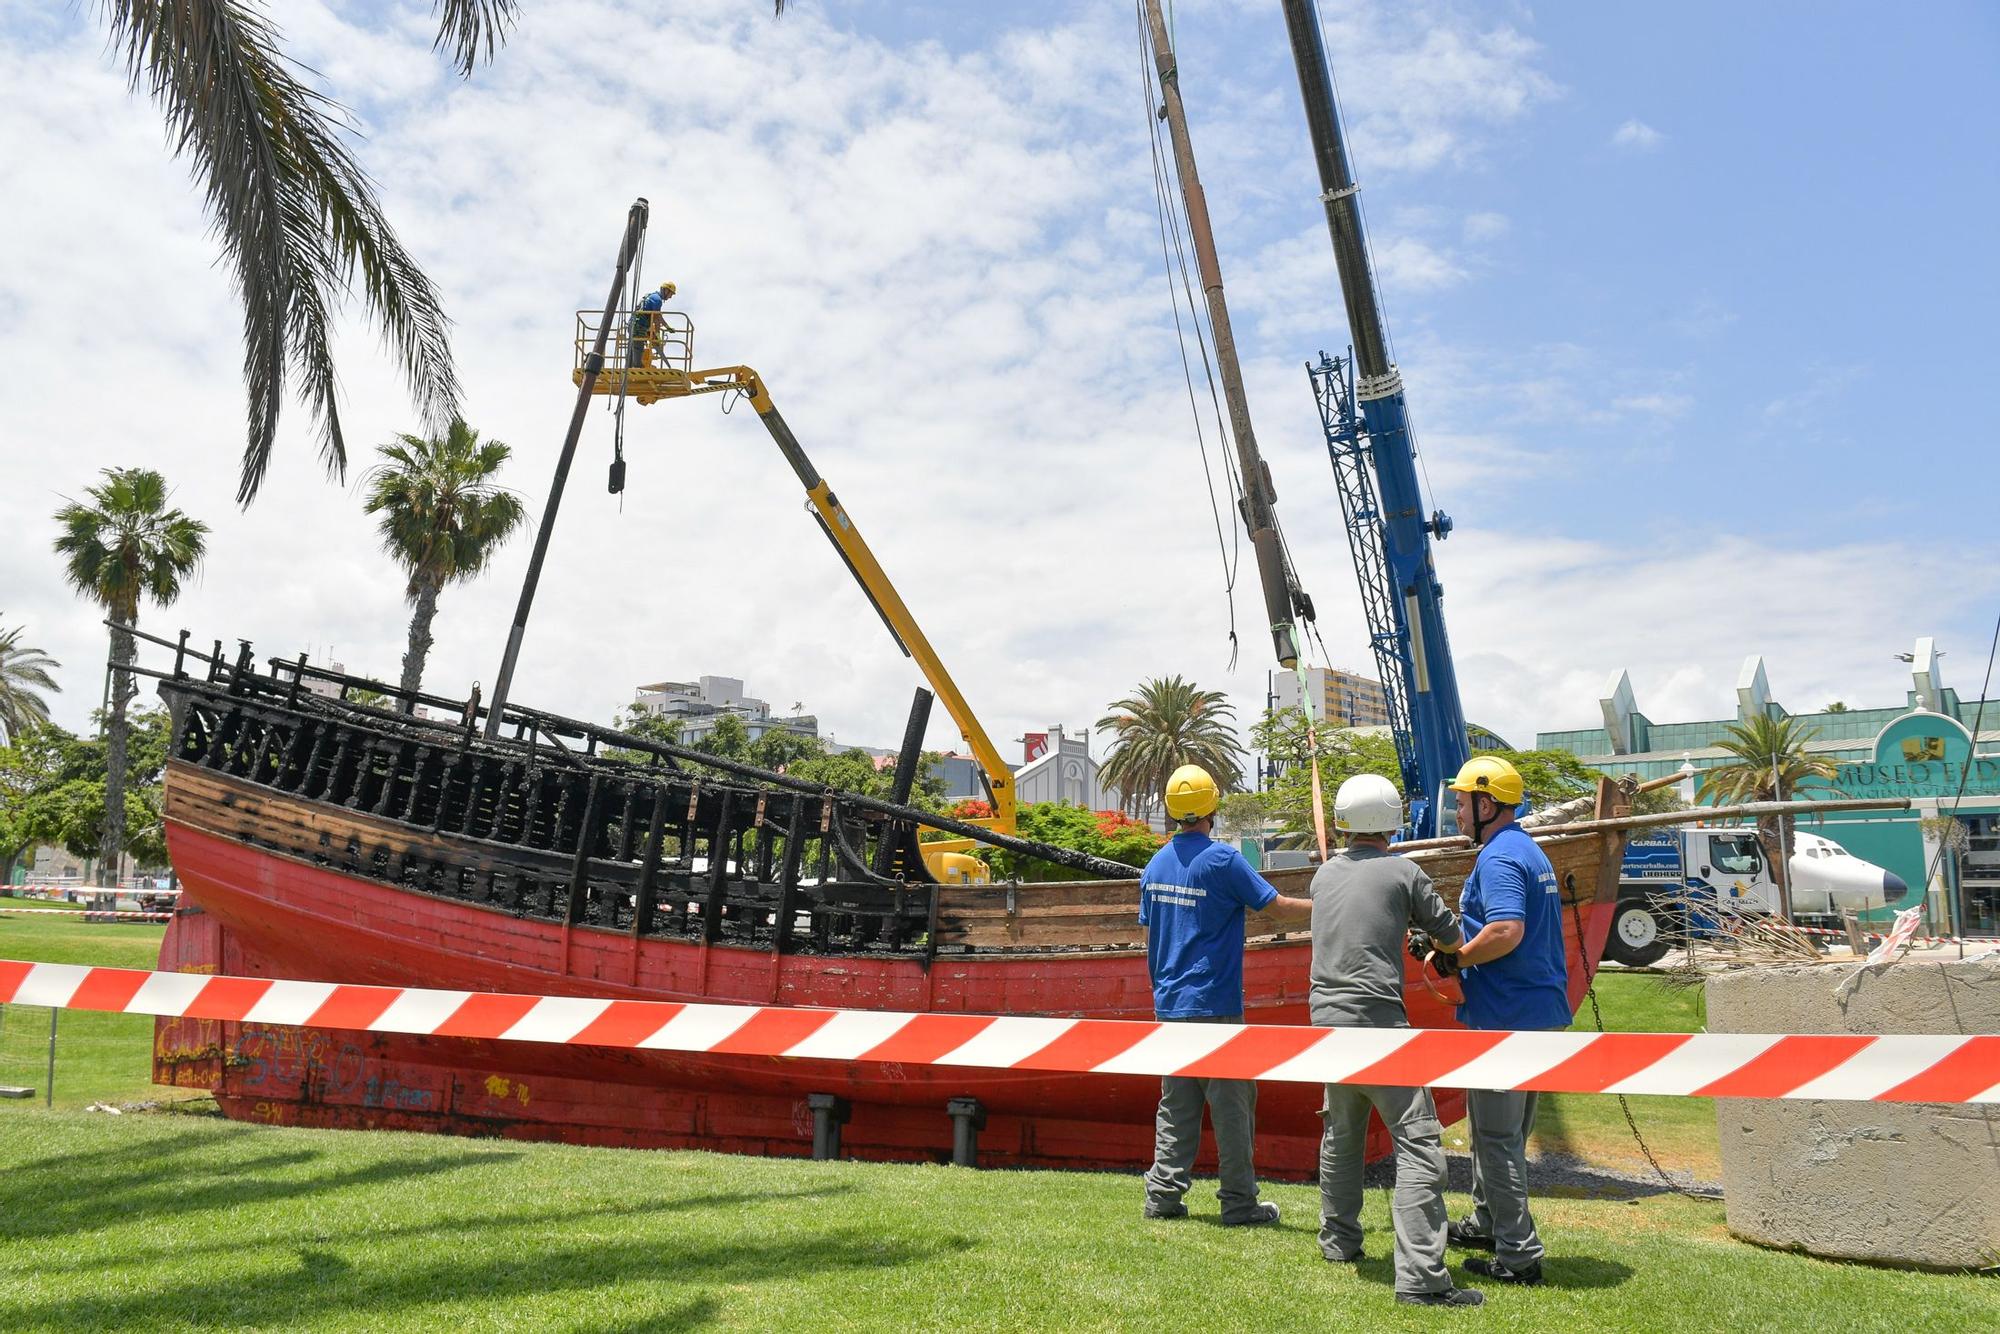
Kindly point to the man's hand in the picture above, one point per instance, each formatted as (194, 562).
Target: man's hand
(1427, 951)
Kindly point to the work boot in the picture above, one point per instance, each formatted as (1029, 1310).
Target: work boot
(1465, 1234)
(1528, 1275)
(1260, 1215)
(1353, 1259)
(1169, 1209)
(1449, 1297)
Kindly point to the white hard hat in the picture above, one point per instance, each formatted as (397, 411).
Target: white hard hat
(1368, 804)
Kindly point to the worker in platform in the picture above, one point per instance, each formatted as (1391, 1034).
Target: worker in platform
(1365, 902)
(1191, 901)
(647, 328)
(1514, 977)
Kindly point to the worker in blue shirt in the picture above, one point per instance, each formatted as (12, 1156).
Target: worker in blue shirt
(1514, 977)
(1191, 901)
(646, 330)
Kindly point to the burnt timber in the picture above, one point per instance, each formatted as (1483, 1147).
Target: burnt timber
(562, 822)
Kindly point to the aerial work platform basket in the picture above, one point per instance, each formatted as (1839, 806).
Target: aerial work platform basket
(648, 355)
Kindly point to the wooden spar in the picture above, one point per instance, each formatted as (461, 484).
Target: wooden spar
(1279, 585)
(1693, 815)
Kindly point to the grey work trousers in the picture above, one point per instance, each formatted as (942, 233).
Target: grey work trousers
(1418, 1210)
(1232, 1112)
(1500, 1122)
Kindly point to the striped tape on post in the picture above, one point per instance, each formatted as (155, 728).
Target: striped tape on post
(1912, 1068)
(89, 914)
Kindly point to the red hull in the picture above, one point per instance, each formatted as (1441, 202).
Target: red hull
(249, 911)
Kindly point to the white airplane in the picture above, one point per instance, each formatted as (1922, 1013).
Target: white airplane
(1829, 880)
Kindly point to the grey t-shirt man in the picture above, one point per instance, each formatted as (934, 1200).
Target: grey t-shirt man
(1363, 901)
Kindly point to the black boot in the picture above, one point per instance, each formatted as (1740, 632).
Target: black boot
(1528, 1275)
(1465, 1234)
(1449, 1297)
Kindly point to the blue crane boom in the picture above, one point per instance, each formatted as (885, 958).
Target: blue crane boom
(1374, 463)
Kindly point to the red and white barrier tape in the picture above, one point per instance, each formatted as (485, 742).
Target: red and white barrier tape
(89, 912)
(1913, 1068)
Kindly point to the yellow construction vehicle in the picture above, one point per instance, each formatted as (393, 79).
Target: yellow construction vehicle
(652, 358)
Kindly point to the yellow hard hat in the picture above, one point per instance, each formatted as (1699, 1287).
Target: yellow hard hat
(1191, 793)
(668, 289)
(1493, 776)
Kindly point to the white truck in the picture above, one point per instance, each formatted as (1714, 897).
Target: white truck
(1730, 865)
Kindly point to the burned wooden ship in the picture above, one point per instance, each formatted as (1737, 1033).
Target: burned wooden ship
(322, 838)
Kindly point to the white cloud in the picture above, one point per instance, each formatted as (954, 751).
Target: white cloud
(1637, 137)
(1804, 409)
(1406, 264)
(1426, 87)
(1661, 406)
(946, 263)
(1539, 625)
(1483, 227)
(1704, 317)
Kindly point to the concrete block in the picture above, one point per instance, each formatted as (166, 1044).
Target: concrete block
(1899, 1183)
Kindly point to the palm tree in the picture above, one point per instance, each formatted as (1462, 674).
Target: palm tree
(443, 517)
(1166, 724)
(24, 672)
(1770, 761)
(297, 218)
(125, 545)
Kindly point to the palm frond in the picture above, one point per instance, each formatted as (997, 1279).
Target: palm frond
(472, 30)
(296, 216)
(24, 673)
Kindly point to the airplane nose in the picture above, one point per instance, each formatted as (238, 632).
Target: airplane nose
(1894, 888)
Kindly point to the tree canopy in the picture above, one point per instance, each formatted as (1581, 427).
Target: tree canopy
(52, 790)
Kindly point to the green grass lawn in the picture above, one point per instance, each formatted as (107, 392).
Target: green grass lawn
(99, 1057)
(179, 1222)
(15, 898)
(188, 1222)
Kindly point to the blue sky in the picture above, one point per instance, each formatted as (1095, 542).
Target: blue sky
(1692, 304)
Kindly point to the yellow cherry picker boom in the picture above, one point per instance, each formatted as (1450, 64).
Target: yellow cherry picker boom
(647, 354)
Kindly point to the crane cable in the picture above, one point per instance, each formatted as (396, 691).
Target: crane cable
(1958, 798)
(625, 372)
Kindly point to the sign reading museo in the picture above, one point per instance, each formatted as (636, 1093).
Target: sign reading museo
(1921, 755)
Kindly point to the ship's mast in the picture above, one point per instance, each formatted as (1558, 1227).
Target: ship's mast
(1283, 600)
